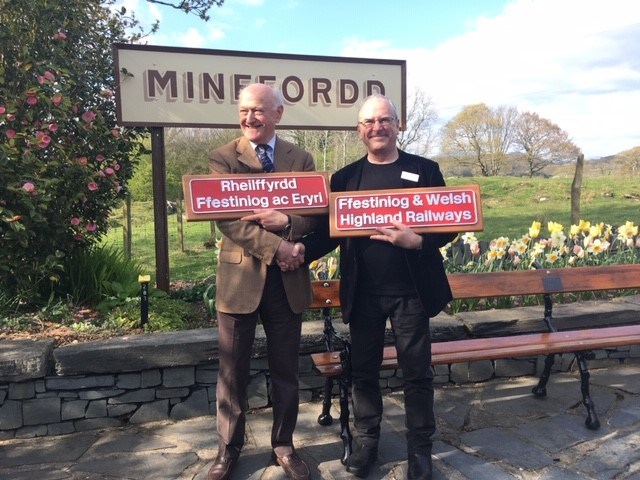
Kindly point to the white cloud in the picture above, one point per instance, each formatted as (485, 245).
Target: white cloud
(575, 62)
(191, 38)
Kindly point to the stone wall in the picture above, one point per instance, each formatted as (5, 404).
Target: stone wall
(51, 391)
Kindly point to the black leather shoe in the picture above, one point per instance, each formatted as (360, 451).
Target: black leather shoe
(222, 466)
(359, 462)
(420, 467)
(293, 466)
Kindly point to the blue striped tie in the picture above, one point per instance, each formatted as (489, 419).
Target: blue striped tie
(267, 164)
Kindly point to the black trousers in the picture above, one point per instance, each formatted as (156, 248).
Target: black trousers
(413, 343)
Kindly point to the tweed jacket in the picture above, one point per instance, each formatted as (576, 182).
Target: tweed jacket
(426, 266)
(246, 248)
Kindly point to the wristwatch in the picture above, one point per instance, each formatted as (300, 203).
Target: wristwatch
(286, 231)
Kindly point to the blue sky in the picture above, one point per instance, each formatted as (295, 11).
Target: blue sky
(574, 62)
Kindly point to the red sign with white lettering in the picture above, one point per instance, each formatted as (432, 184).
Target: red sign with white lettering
(435, 209)
(215, 197)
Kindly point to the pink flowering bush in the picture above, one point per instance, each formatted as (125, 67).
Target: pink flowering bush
(62, 168)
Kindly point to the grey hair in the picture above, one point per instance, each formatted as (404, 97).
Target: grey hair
(380, 96)
(277, 94)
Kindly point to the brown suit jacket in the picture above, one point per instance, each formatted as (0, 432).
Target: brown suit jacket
(246, 248)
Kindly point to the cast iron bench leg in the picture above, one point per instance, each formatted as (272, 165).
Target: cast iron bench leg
(325, 417)
(329, 332)
(540, 390)
(345, 383)
(591, 421)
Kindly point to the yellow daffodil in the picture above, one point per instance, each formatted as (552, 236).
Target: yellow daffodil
(584, 226)
(502, 243)
(469, 237)
(534, 229)
(557, 238)
(595, 231)
(552, 256)
(574, 231)
(554, 227)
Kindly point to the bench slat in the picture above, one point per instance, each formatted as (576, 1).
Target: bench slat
(514, 283)
(551, 280)
(328, 363)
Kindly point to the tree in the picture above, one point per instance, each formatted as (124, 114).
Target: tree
(631, 160)
(419, 135)
(542, 142)
(480, 136)
(187, 153)
(197, 7)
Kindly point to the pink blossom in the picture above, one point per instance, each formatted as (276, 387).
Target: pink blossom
(41, 80)
(60, 36)
(28, 187)
(78, 236)
(101, 174)
(11, 117)
(99, 158)
(31, 100)
(75, 109)
(92, 186)
(49, 76)
(91, 227)
(115, 132)
(2, 109)
(516, 261)
(109, 171)
(82, 160)
(53, 127)
(75, 221)
(10, 134)
(57, 99)
(43, 139)
(116, 167)
(88, 116)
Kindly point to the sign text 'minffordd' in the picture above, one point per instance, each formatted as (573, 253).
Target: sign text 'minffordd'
(168, 86)
(441, 209)
(215, 197)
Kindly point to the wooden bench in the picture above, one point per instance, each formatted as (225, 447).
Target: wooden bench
(334, 364)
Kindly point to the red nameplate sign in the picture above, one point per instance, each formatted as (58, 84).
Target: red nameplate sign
(224, 197)
(435, 209)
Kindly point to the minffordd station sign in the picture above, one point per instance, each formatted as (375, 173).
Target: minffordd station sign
(188, 87)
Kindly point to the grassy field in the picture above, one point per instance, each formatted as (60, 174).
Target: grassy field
(509, 207)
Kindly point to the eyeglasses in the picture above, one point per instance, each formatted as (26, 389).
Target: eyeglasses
(383, 122)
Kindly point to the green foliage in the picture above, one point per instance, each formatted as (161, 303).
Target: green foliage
(209, 298)
(64, 162)
(93, 275)
(165, 314)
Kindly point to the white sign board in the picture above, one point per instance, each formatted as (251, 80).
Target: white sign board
(187, 87)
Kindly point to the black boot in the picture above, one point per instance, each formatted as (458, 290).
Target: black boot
(420, 467)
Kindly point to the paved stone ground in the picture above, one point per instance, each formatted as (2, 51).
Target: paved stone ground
(492, 430)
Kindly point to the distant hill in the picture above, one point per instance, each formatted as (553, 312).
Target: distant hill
(516, 168)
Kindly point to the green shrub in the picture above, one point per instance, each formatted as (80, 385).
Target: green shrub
(164, 315)
(96, 274)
